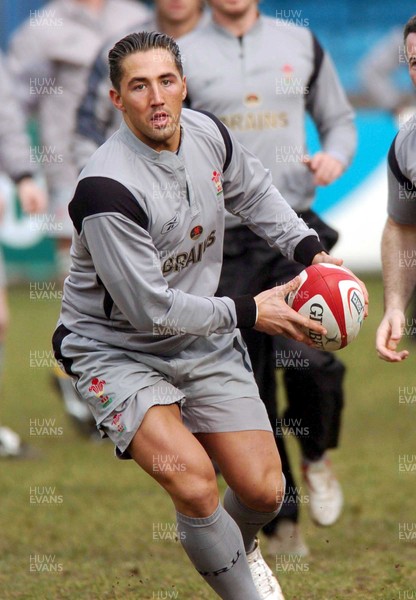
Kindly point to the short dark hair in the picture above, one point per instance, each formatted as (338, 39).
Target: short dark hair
(140, 42)
(410, 27)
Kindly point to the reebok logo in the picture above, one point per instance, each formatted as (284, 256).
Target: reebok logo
(171, 224)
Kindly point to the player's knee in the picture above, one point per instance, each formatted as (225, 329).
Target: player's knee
(196, 495)
(271, 496)
(267, 493)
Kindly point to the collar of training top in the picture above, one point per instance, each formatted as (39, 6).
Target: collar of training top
(134, 143)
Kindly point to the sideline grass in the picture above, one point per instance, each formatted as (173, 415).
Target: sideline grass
(96, 536)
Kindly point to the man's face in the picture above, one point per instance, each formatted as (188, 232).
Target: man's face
(232, 8)
(178, 11)
(150, 96)
(411, 56)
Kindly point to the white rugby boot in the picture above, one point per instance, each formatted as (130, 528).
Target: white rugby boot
(266, 583)
(325, 493)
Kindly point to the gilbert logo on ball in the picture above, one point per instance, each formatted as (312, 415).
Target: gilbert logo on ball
(333, 297)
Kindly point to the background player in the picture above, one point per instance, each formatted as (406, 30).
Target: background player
(259, 76)
(50, 63)
(399, 236)
(15, 161)
(50, 66)
(377, 70)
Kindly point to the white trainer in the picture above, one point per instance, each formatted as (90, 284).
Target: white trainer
(287, 539)
(266, 583)
(11, 446)
(325, 493)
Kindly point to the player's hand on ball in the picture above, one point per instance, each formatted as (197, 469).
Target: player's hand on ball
(389, 334)
(323, 257)
(275, 317)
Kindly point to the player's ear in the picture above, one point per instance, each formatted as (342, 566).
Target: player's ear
(116, 99)
(185, 89)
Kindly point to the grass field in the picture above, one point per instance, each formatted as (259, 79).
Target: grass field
(77, 524)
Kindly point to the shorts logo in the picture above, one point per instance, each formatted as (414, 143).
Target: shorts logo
(97, 386)
(116, 422)
(216, 178)
(171, 224)
(196, 232)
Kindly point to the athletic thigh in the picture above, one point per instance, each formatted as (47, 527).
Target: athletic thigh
(249, 462)
(168, 452)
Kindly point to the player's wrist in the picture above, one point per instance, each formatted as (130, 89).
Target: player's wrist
(246, 309)
(307, 249)
(339, 157)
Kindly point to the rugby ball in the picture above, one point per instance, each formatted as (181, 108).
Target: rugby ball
(332, 296)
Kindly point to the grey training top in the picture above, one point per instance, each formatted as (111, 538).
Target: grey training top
(402, 175)
(49, 56)
(148, 239)
(261, 85)
(14, 141)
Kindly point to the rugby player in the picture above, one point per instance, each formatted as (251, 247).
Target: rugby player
(399, 236)
(159, 359)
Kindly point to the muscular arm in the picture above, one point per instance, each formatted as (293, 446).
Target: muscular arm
(398, 251)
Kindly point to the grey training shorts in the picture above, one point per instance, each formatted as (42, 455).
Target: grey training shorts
(211, 380)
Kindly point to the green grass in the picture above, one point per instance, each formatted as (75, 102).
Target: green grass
(98, 537)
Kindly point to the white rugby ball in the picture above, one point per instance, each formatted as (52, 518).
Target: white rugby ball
(331, 296)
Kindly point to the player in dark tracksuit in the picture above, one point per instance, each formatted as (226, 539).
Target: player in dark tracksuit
(260, 80)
